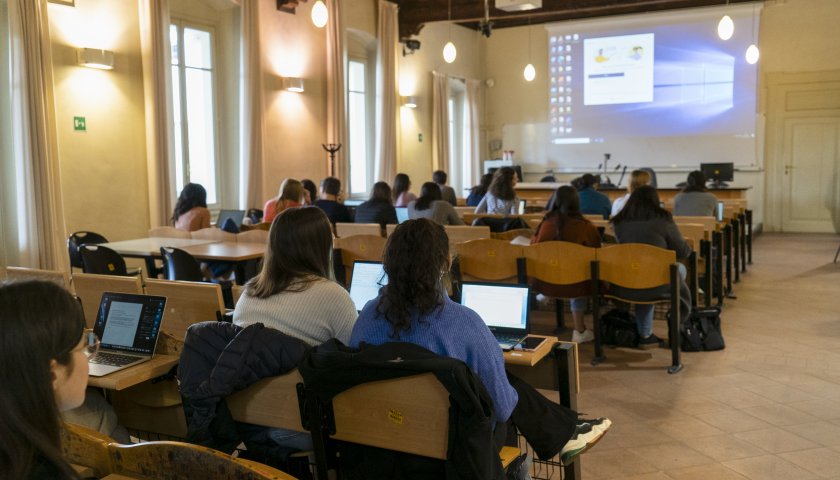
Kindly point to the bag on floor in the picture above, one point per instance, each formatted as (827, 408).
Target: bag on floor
(618, 327)
(700, 332)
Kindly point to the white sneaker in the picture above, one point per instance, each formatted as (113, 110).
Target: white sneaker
(586, 435)
(587, 336)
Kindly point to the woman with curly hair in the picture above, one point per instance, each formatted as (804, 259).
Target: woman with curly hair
(500, 197)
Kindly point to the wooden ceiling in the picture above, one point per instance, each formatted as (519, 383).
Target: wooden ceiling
(413, 14)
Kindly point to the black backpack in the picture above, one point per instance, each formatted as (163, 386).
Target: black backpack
(618, 328)
(701, 331)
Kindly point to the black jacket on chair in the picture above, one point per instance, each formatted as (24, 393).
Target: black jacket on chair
(332, 368)
(219, 359)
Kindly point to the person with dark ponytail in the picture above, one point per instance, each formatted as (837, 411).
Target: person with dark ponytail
(694, 200)
(191, 212)
(44, 351)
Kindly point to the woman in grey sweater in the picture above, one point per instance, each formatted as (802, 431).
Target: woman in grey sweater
(432, 206)
(694, 200)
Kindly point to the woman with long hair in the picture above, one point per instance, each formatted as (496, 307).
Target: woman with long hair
(564, 222)
(500, 197)
(431, 205)
(191, 212)
(378, 208)
(44, 371)
(477, 192)
(294, 292)
(413, 307)
(642, 220)
(401, 191)
(310, 191)
(695, 200)
(638, 178)
(291, 195)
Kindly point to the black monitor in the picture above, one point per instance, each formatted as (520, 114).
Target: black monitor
(718, 173)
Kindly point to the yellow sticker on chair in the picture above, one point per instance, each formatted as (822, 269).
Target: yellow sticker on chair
(363, 247)
(636, 265)
(491, 253)
(553, 262)
(395, 416)
(111, 267)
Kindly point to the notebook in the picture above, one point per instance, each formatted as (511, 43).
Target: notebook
(236, 215)
(402, 214)
(503, 307)
(128, 326)
(368, 277)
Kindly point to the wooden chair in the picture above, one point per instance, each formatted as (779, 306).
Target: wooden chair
(253, 236)
(489, 260)
(709, 223)
(84, 447)
(90, 287)
(187, 303)
(349, 229)
(258, 226)
(150, 410)
(636, 272)
(215, 234)
(359, 247)
(511, 234)
(61, 279)
(168, 232)
(458, 234)
(389, 229)
(461, 211)
(561, 270)
(271, 402)
(695, 236)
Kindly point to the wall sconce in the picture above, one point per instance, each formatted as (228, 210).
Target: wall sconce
(293, 84)
(409, 102)
(96, 58)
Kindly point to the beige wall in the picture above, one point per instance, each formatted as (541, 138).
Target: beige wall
(103, 170)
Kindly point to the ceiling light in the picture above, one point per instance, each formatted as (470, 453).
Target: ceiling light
(726, 28)
(320, 14)
(752, 54)
(449, 51)
(530, 73)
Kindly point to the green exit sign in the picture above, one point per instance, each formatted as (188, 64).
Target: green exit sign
(79, 124)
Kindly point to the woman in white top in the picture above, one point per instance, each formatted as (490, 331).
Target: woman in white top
(500, 197)
(294, 293)
(638, 178)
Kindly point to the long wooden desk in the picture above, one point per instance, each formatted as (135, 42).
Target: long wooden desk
(540, 193)
(159, 365)
(149, 248)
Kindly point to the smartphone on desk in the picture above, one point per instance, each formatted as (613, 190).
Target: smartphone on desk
(531, 343)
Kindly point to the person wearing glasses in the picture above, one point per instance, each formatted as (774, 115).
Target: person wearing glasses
(44, 351)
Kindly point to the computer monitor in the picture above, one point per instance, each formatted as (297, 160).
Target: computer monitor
(718, 173)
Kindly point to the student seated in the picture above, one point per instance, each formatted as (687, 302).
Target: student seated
(310, 192)
(430, 205)
(501, 197)
(414, 308)
(290, 195)
(638, 178)
(402, 193)
(191, 212)
(336, 211)
(477, 192)
(446, 192)
(695, 200)
(378, 208)
(592, 202)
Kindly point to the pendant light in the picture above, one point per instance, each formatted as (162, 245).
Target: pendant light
(726, 27)
(530, 72)
(752, 53)
(319, 14)
(449, 50)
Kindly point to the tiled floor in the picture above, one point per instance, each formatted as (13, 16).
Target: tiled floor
(767, 407)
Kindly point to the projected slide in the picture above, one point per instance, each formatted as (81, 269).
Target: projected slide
(618, 69)
(121, 326)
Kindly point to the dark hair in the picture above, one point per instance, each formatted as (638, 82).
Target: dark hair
(381, 191)
(564, 204)
(401, 185)
(502, 184)
(439, 177)
(696, 182)
(416, 255)
(483, 185)
(299, 252)
(193, 195)
(587, 180)
(41, 322)
(331, 186)
(429, 192)
(642, 205)
(310, 187)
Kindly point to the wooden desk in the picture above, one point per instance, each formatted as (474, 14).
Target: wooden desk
(529, 359)
(539, 193)
(157, 366)
(149, 248)
(237, 253)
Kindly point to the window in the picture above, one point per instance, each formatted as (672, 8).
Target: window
(359, 115)
(194, 111)
(459, 163)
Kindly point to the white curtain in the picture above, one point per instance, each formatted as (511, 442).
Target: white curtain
(38, 210)
(440, 121)
(387, 92)
(336, 107)
(252, 114)
(473, 134)
(157, 84)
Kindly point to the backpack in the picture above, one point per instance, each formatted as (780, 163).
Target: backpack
(618, 328)
(701, 331)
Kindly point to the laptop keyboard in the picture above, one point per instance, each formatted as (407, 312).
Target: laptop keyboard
(113, 359)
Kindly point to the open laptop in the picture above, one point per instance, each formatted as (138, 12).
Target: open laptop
(128, 325)
(402, 214)
(236, 215)
(368, 278)
(521, 207)
(503, 307)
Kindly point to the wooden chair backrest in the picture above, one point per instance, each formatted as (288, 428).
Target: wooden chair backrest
(176, 460)
(156, 408)
(359, 247)
(458, 234)
(488, 260)
(730, 212)
(739, 203)
(534, 222)
(90, 287)
(253, 236)
(213, 233)
(636, 265)
(186, 303)
(168, 232)
(258, 226)
(709, 223)
(88, 448)
(62, 279)
(461, 211)
(349, 229)
(469, 218)
(693, 233)
(511, 234)
(410, 414)
(594, 218)
(236, 290)
(389, 229)
(559, 263)
(271, 402)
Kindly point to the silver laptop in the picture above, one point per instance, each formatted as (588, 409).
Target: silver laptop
(128, 326)
(236, 215)
(503, 307)
(368, 278)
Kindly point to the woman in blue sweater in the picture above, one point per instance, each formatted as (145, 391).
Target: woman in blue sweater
(414, 308)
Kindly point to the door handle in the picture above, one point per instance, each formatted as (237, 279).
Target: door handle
(788, 168)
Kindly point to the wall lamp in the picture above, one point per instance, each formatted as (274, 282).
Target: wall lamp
(96, 58)
(293, 84)
(409, 102)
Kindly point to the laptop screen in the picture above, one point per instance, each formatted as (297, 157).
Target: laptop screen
(368, 277)
(719, 211)
(402, 214)
(500, 306)
(521, 207)
(129, 322)
(236, 215)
